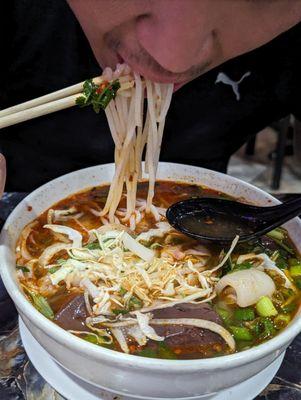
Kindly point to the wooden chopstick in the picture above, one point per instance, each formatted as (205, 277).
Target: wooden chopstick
(59, 94)
(47, 104)
(34, 112)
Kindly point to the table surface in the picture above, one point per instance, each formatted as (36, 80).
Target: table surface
(20, 381)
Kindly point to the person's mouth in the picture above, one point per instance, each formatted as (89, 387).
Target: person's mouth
(149, 73)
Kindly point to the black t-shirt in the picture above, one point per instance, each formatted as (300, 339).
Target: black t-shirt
(43, 49)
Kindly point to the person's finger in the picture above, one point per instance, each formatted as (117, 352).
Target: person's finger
(2, 174)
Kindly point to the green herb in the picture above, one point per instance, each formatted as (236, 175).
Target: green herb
(230, 263)
(52, 270)
(295, 270)
(294, 261)
(281, 321)
(241, 333)
(298, 282)
(147, 353)
(224, 314)
(242, 266)
(287, 292)
(265, 307)
(281, 262)
(280, 258)
(91, 338)
(119, 311)
(22, 268)
(93, 95)
(122, 291)
(267, 328)
(92, 246)
(276, 234)
(41, 304)
(166, 352)
(135, 303)
(244, 314)
(255, 326)
(289, 308)
(61, 261)
(243, 345)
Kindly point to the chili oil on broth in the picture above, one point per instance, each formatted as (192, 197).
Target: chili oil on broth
(66, 306)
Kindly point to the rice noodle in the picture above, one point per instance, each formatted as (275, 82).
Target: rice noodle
(226, 257)
(72, 234)
(119, 336)
(87, 303)
(143, 322)
(50, 251)
(23, 240)
(199, 323)
(131, 134)
(138, 335)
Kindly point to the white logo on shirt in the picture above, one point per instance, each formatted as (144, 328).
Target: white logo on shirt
(223, 78)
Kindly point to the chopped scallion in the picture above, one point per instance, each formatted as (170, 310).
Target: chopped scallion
(281, 321)
(241, 333)
(267, 328)
(295, 270)
(265, 307)
(293, 261)
(22, 268)
(52, 270)
(276, 234)
(244, 314)
(224, 314)
(92, 246)
(289, 308)
(41, 304)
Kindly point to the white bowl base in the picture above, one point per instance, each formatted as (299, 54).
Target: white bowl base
(74, 388)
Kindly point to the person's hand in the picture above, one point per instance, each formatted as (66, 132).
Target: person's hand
(2, 174)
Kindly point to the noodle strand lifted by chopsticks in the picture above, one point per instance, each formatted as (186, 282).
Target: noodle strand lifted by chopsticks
(132, 134)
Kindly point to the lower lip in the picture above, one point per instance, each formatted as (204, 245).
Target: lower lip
(177, 86)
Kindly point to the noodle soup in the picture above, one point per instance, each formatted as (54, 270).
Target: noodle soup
(152, 291)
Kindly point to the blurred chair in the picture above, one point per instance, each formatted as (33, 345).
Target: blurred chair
(284, 131)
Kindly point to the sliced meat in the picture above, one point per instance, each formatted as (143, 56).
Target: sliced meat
(181, 335)
(72, 314)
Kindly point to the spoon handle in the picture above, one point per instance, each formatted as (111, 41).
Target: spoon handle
(283, 212)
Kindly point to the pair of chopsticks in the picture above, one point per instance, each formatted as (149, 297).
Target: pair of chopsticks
(49, 103)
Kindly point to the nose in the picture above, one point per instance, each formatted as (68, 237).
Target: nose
(174, 36)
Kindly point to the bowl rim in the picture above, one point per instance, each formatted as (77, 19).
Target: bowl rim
(111, 356)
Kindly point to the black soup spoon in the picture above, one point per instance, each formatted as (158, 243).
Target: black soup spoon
(219, 220)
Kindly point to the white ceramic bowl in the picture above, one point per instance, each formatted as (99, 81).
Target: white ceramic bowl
(126, 374)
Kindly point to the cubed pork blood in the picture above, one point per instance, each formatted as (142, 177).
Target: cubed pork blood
(181, 335)
(72, 314)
